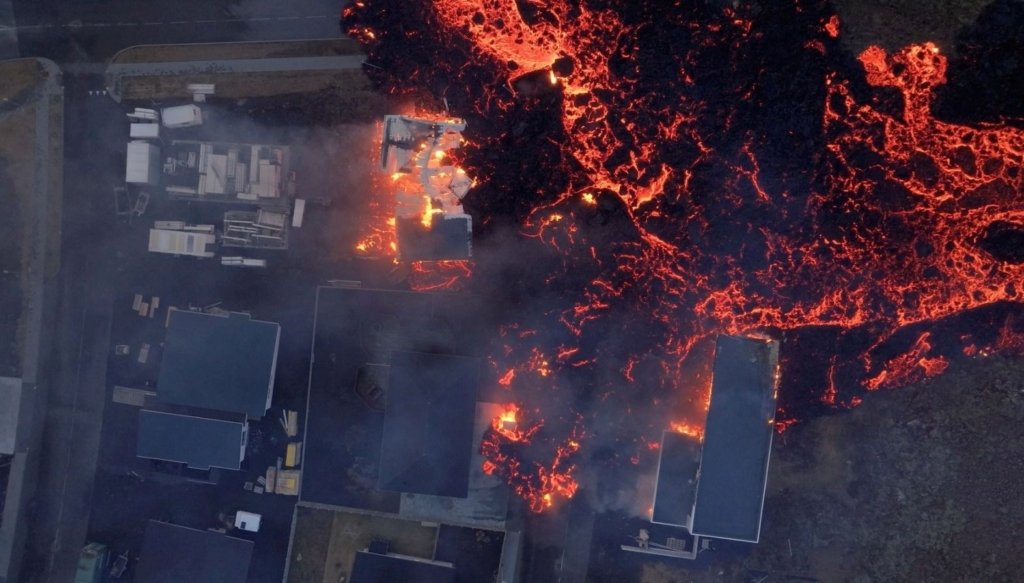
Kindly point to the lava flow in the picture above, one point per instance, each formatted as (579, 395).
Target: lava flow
(676, 172)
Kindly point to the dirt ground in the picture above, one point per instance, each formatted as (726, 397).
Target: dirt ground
(894, 24)
(17, 175)
(240, 85)
(326, 542)
(255, 50)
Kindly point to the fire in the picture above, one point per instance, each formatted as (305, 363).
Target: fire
(749, 180)
(539, 484)
(688, 429)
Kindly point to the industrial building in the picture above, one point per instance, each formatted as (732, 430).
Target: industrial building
(380, 566)
(396, 414)
(714, 487)
(217, 373)
(199, 442)
(219, 362)
(176, 554)
(429, 396)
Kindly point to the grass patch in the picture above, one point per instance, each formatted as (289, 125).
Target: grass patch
(265, 50)
(17, 76)
(894, 24)
(241, 85)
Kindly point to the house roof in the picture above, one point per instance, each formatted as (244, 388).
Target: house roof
(10, 413)
(377, 568)
(223, 363)
(676, 483)
(172, 554)
(197, 441)
(428, 424)
(737, 440)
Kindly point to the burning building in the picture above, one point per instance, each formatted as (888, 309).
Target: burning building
(401, 367)
(676, 173)
(430, 222)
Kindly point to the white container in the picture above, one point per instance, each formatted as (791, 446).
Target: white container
(145, 131)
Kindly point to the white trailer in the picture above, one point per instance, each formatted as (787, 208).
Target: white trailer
(142, 163)
(181, 243)
(144, 131)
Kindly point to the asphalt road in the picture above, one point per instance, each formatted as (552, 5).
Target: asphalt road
(76, 31)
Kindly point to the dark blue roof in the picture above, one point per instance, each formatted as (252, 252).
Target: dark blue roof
(677, 478)
(176, 554)
(446, 238)
(428, 424)
(375, 568)
(223, 363)
(197, 441)
(737, 440)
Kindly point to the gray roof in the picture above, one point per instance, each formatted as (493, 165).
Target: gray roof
(223, 363)
(428, 424)
(176, 554)
(737, 440)
(10, 409)
(677, 479)
(197, 441)
(376, 568)
(446, 238)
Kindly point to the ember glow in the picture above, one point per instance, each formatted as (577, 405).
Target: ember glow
(676, 172)
(400, 194)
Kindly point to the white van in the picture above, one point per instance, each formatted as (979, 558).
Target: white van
(181, 116)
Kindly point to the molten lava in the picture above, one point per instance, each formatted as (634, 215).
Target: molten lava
(676, 172)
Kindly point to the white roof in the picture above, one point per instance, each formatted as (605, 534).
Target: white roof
(10, 407)
(141, 158)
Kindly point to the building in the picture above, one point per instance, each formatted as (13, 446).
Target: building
(10, 414)
(396, 415)
(676, 485)
(430, 223)
(714, 487)
(384, 567)
(219, 362)
(173, 554)
(428, 424)
(201, 443)
(227, 172)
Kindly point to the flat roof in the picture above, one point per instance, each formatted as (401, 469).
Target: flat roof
(172, 554)
(358, 328)
(219, 362)
(197, 441)
(486, 504)
(676, 482)
(10, 413)
(428, 424)
(446, 238)
(737, 440)
(376, 568)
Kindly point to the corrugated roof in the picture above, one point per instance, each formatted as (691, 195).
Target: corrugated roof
(677, 479)
(737, 440)
(177, 554)
(197, 441)
(223, 363)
